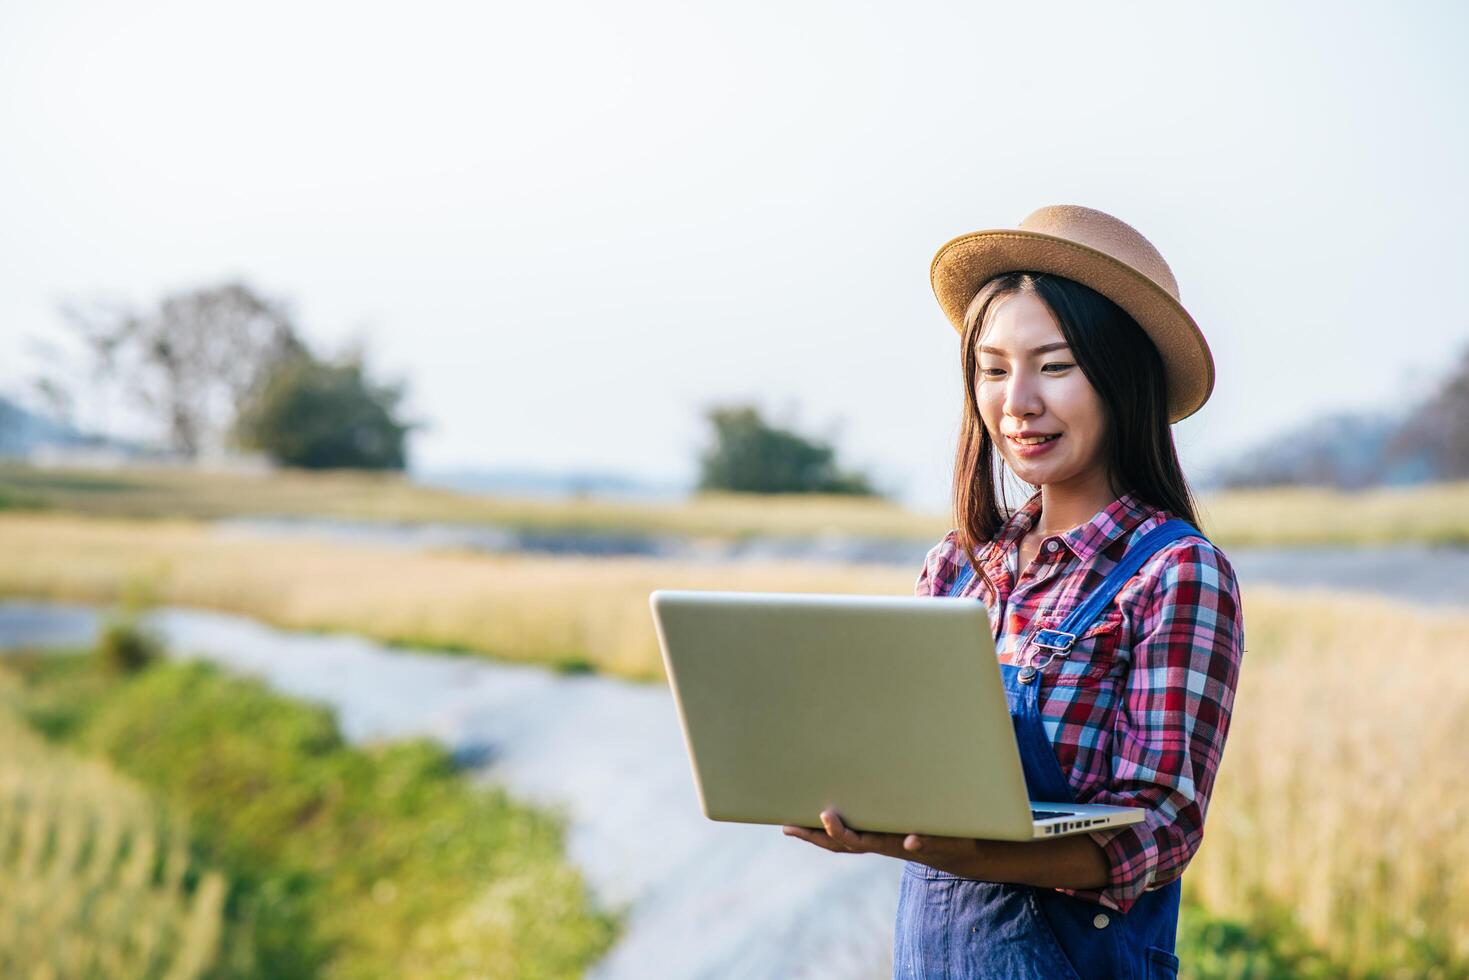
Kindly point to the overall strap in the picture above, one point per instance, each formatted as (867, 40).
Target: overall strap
(965, 574)
(1140, 551)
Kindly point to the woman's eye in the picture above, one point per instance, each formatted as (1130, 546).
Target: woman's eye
(996, 372)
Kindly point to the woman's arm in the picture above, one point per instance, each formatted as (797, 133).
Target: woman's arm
(1172, 721)
(1067, 862)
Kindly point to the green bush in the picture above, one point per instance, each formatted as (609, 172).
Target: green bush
(125, 647)
(747, 454)
(321, 415)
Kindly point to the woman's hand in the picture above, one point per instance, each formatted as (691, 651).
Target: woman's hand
(1075, 861)
(956, 855)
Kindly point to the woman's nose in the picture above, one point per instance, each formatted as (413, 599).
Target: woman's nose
(1021, 397)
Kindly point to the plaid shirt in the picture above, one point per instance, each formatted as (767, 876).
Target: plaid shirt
(1139, 709)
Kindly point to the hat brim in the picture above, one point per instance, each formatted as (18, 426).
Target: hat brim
(962, 265)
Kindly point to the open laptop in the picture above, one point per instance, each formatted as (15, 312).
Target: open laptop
(891, 709)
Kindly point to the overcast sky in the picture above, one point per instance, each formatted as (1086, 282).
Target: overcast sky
(571, 226)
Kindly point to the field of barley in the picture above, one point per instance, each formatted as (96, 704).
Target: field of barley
(96, 877)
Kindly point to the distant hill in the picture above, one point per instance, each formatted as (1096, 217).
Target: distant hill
(23, 431)
(1348, 451)
(25, 434)
(1425, 442)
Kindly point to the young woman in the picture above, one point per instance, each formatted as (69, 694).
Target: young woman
(1077, 356)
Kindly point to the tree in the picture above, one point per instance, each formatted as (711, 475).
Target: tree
(1439, 428)
(12, 421)
(321, 415)
(191, 361)
(749, 455)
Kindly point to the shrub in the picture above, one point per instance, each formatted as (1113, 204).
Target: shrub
(125, 647)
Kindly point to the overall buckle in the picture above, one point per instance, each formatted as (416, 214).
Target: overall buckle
(1053, 639)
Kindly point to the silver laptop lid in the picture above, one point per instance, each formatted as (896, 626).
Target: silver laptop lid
(889, 708)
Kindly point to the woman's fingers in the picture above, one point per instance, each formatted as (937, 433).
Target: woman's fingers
(818, 837)
(838, 830)
(856, 840)
(838, 837)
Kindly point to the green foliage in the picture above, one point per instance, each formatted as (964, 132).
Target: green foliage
(125, 647)
(10, 500)
(752, 456)
(345, 862)
(319, 415)
(1270, 944)
(1213, 948)
(59, 692)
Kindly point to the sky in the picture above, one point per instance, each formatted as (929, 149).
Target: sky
(571, 227)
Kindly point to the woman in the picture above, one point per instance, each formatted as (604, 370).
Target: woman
(1077, 356)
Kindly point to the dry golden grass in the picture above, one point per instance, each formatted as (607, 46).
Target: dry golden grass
(591, 611)
(1433, 513)
(1344, 791)
(94, 881)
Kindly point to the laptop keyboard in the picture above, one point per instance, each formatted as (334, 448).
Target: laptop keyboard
(1050, 814)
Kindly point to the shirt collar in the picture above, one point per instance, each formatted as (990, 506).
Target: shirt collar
(1115, 520)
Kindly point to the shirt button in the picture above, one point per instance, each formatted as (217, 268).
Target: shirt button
(1101, 920)
(1051, 546)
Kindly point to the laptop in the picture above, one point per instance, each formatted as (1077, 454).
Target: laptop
(891, 709)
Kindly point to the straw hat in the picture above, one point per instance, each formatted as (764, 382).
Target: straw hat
(1096, 250)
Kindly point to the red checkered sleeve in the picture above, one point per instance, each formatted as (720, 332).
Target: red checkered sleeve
(938, 568)
(1169, 730)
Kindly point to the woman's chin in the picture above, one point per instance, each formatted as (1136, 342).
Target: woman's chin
(1026, 468)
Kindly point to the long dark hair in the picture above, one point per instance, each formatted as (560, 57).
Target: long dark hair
(1122, 364)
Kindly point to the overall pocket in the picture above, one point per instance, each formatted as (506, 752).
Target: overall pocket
(1162, 965)
(929, 873)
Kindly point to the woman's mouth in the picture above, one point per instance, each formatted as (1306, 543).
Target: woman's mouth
(1034, 446)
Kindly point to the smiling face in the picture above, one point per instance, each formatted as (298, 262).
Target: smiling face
(1029, 382)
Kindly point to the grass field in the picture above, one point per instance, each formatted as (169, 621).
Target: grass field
(574, 613)
(1342, 805)
(1433, 514)
(343, 862)
(181, 493)
(1340, 814)
(1337, 844)
(96, 878)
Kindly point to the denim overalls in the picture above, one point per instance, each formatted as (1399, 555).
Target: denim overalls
(952, 927)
